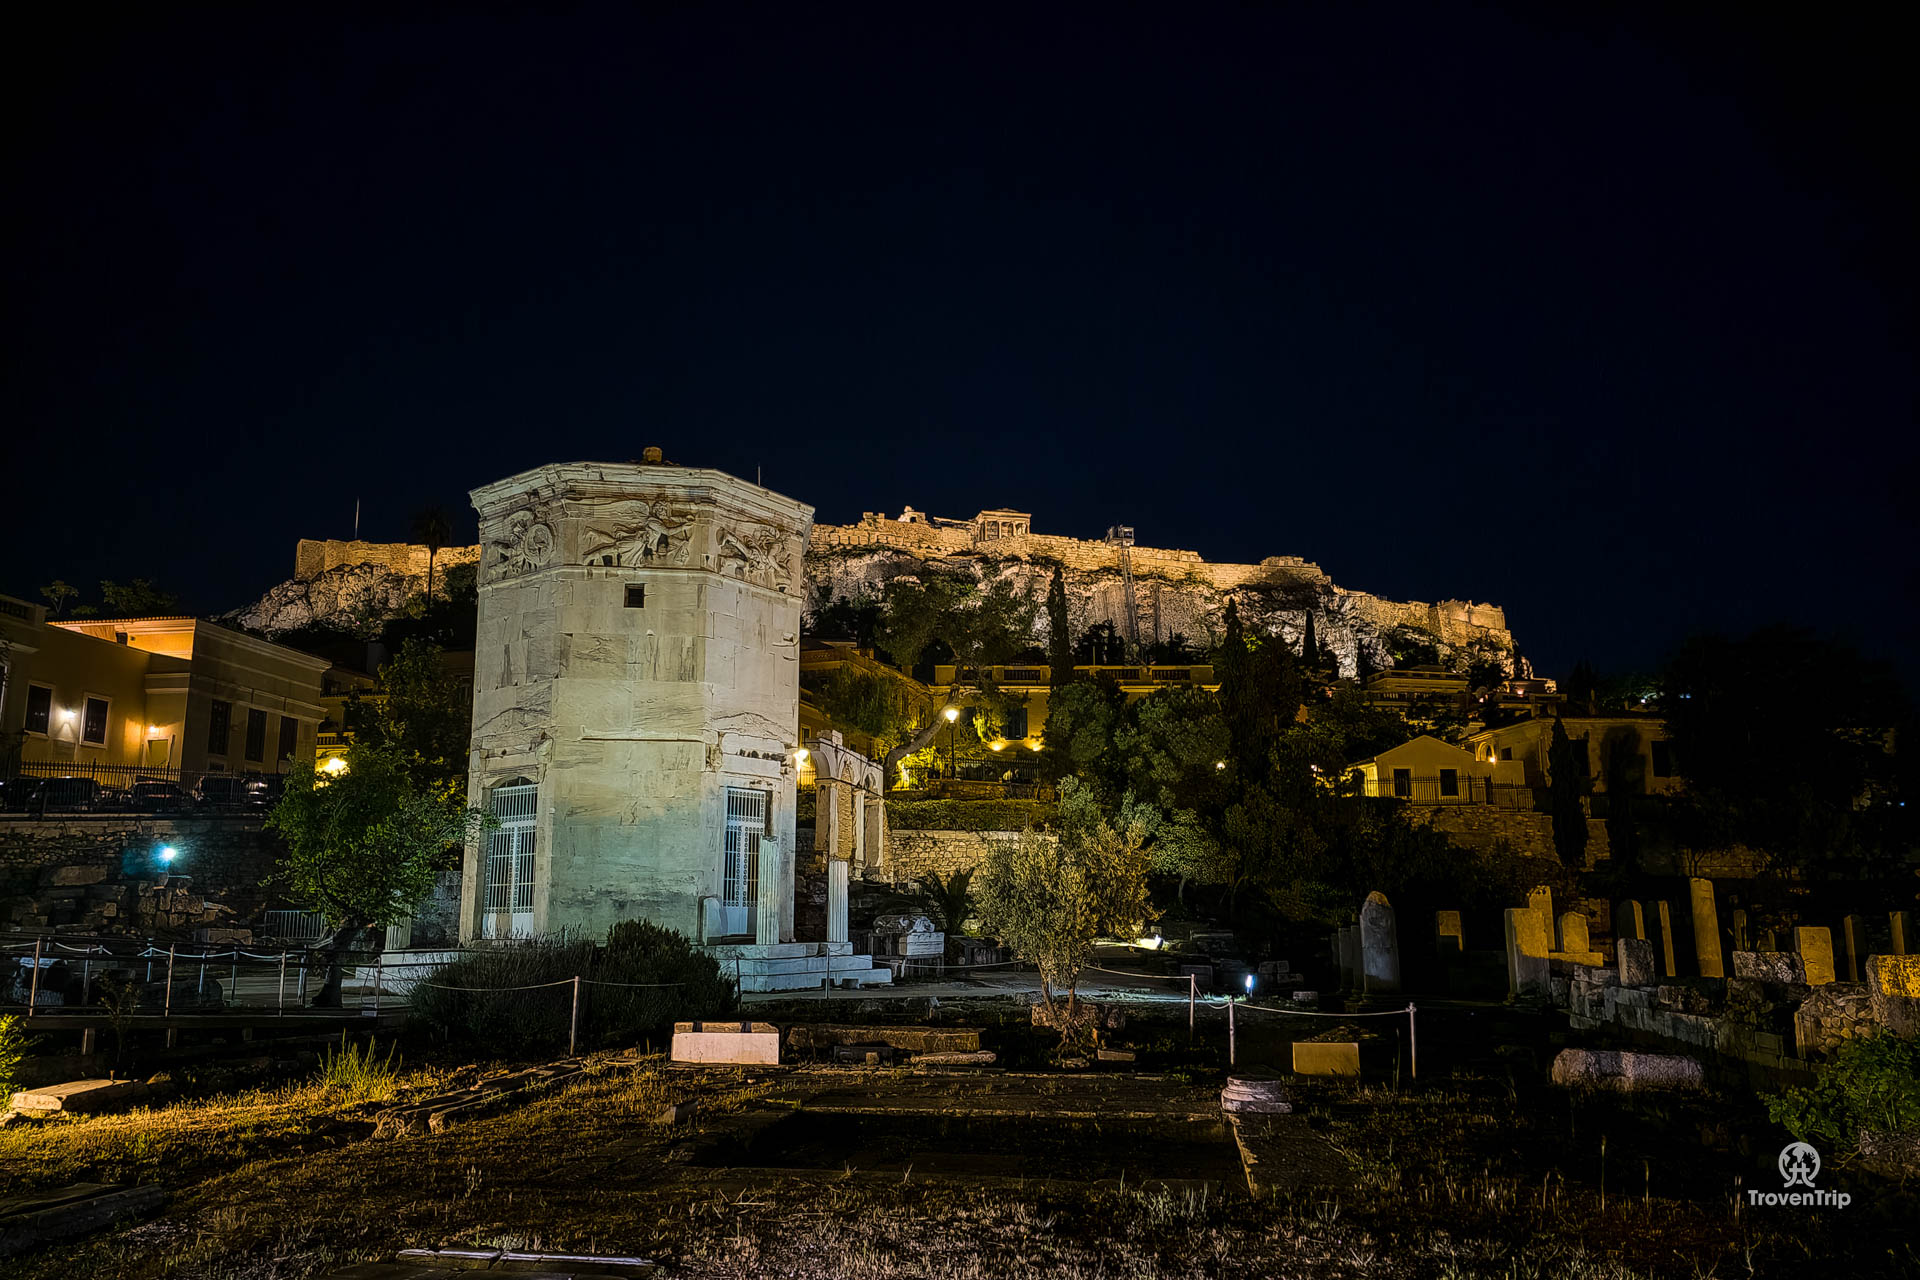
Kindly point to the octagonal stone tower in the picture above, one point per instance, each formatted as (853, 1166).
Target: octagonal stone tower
(636, 703)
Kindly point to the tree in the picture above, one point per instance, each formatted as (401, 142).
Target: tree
(136, 599)
(1626, 774)
(59, 593)
(422, 716)
(1100, 646)
(1791, 745)
(1566, 783)
(434, 528)
(1050, 900)
(1309, 649)
(364, 845)
(1059, 638)
(1082, 721)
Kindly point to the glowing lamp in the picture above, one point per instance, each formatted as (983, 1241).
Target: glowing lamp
(800, 756)
(1219, 764)
(167, 854)
(1249, 984)
(996, 746)
(951, 713)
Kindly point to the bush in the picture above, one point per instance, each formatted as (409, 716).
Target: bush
(358, 1074)
(1872, 1083)
(13, 1048)
(538, 1016)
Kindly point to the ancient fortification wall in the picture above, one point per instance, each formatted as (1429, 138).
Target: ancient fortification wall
(1174, 593)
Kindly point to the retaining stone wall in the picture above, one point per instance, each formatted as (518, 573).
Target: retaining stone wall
(1480, 827)
(102, 875)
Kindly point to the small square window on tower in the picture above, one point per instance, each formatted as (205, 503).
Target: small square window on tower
(636, 595)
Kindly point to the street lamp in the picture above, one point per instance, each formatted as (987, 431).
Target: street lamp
(952, 714)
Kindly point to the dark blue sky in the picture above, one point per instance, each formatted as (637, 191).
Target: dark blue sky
(1608, 320)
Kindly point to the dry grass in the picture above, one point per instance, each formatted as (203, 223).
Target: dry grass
(1463, 1182)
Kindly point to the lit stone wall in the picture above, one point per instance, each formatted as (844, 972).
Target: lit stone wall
(634, 720)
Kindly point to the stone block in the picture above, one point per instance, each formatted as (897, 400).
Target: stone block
(1900, 928)
(80, 1097)
(1893, 989)
(1853, 940)
(752, 1043)
(1257, 1092)
(1528, 941)
(1449, 939)
(1781, 967)
(1707, 952)
(1573, 932)
(1379, 945)
(1326, 1058)
(1635, 956)
(1629, 921)
(1626, 1072)
(1815, 948)
(77, 875)
(1662, 926)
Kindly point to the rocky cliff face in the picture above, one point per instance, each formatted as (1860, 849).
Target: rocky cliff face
(1192, 605)
(358, 586)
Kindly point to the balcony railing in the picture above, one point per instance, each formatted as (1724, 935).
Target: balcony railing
(1459, 789)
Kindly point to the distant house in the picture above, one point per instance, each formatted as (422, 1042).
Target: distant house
(123, 698)
(1428, 771)
(1614, 750)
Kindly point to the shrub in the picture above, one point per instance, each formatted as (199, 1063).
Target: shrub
(357, 1073)
(1871, 1083)
(485, 1009)
(13, 1049)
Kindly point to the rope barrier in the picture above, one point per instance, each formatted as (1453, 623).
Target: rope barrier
(536, 986)
(1180, 978)
(596, 982)
(1315, 1013)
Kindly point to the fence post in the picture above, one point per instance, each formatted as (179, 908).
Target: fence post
(280, 1000)
(149, 959)
(167, 1012)
(86, 979)
(379, 972)
(300, 993)
(1230, 1041)
(33, 986)
(1413, 1045)
(200, 988)
(1193, 985)
(573, 1027)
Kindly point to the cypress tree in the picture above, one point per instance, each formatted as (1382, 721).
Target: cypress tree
(1309, 651)
(1564, 787)
(1059, 641)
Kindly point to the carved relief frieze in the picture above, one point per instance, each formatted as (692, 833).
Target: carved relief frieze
(525, 544)
(758, 553)
(635, 535)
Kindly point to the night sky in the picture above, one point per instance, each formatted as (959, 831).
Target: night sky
(1607, 320)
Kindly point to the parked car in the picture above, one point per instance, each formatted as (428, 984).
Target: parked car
(237, 791)
(66, 795)
(158, 797)
(14, 793)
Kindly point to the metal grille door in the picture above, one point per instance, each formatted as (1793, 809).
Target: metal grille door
(506, 903)
(740, 866)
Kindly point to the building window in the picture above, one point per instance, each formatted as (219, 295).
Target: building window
(39, 708)
(1662, 758)
(747, 817)
(93, 723)
(506, 890)
(219, 726)
(1449, 782)
(256, 735)
(1581, 757)
(1403, 783)
(289, 737)
(636, 595)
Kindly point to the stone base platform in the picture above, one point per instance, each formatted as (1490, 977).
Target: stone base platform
(797, 966)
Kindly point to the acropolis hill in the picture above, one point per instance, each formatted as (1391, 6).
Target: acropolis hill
(355, 585)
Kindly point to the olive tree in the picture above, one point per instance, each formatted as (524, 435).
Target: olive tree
(1051, 899)
(364, 845)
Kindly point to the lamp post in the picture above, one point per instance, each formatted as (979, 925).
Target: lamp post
(952, 714)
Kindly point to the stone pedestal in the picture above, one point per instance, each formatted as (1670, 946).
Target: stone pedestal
(1449, 940)
(1379, 945)
(1900, 924)
(1635, 958)
(1853, 939)
(745, 1043)
(1256, 1093)
(766, 928)
(1573, 932)
(1629, 921)
(1662, 924)
(1706, 929)
(1815, 947)
(1528, 941)
(837, 900)
(1541, 900)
